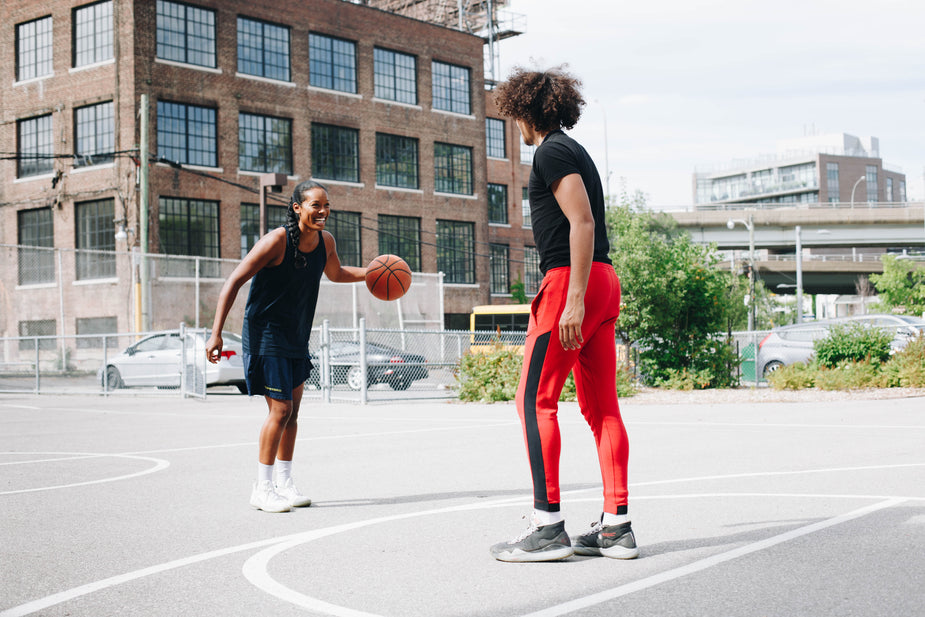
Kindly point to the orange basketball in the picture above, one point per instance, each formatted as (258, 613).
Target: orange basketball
(388, 277)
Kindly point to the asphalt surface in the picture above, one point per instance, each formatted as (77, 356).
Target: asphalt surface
(139, 506)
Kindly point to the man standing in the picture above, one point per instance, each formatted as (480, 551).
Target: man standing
(571, 322)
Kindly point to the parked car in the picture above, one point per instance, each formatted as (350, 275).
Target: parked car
(788, 344)
(156, 360)
(384, 365)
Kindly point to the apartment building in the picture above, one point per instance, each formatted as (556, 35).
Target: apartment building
(389, 112)
(835, 168)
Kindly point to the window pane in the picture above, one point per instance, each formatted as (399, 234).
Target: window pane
(497, 203)
(185, 33)
(500, 275)
(95, 233)
(452, 169)
(34, 229)
(250, 223)
(264, 144)
(525, 208)
(95, 134)
(456, 251)
(494, 138)
(401, 235)
(332, 63)
(38, 327)
(35, 146)
(450, 88)
(33, 47)
(873, 190)
(396, 161)
(345, 227)
(189, 227)
(395, 76)
(93, 33)
(335, 153)
(263, 49)
(187, 134)
(532, 275)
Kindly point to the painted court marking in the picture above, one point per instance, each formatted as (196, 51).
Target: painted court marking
(158, 465)
(255, 568)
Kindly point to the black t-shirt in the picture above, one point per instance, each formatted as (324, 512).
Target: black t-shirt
(558, 156)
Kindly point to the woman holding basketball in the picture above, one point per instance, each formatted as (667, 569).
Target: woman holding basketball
(571, 322)
(286, 265)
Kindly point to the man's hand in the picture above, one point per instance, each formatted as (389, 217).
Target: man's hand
(214, 348)
(570, 324)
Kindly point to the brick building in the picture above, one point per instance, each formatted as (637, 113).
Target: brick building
(389, 112)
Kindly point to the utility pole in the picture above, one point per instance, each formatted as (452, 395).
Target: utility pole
(144, 295)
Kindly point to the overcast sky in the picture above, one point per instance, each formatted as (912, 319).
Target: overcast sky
(686, 84)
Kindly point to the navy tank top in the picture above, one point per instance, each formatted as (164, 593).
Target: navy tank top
(281, 305)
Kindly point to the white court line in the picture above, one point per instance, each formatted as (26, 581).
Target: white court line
(279, 544)
(762, 474)
(49, 460)
(777, 425)
(159, 464)
(709, 562)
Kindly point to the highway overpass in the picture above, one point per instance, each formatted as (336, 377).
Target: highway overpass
(841, 242)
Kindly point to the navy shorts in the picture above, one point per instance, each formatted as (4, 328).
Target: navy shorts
(274, 376)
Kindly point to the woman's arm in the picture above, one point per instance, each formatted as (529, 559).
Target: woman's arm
(572, 197)
(269, 250)
(334, 270)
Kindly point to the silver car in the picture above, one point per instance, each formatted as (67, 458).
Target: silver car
(156, 361)
(788, 344)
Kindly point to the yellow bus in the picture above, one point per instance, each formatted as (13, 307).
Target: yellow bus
(494, 323)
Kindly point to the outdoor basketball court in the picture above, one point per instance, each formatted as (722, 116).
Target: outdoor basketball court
(138, 506)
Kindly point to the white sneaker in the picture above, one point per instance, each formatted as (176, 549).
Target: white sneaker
(265, 498)
(288, 491)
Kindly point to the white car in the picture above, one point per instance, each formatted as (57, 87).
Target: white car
(156, 361)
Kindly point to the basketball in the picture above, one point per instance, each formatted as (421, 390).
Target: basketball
(388, 277)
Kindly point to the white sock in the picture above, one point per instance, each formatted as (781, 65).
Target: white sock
(546, 518)
(264, 472)
(283, 471)
(614, 519)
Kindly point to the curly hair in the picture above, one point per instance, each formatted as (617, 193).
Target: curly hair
(546, 100)
(292, 219)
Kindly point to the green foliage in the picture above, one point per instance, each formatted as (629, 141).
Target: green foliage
(674, 297)
(518, 290)
(848, 375)
(853, 342)
(901, 287)
(686, 380)
(489, 376)
(796, 376)
(906, 369)
(494, 375)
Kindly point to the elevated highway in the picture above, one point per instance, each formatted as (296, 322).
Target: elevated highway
(840, 243)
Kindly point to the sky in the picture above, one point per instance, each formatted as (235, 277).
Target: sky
(676, 85)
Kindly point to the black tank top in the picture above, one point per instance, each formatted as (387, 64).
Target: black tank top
(281, 305)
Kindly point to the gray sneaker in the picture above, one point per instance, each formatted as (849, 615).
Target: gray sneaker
(536, 543)
(614, 541)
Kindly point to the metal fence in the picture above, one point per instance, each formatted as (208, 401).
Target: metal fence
(350, 364)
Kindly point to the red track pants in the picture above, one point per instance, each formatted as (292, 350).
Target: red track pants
(547, 365)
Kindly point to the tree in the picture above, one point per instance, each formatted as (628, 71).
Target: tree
(901, 287)
(676, 305)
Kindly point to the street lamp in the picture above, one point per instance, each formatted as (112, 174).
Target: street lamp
(856, 183)
(750, 226)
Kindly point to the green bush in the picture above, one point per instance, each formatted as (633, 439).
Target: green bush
(853, 342)
(906, 369)
(686, 380)
(489, 376)
(494, 376)
(851, 376)
(796, 376)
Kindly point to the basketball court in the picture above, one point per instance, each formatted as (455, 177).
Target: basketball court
(138, 506)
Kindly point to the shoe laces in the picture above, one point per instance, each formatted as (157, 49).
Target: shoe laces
(526, 532)
(596, 527)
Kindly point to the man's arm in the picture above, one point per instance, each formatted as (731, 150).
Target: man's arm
(572, 197)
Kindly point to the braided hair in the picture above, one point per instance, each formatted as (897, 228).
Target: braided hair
(292, 219)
